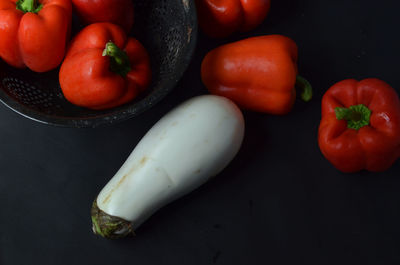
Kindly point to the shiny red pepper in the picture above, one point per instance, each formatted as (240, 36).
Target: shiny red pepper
(34, 33)
(258, 73)
(104, 68)
(360, 126)
(221, 18)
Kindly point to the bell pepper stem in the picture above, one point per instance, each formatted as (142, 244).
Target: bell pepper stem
(306, 88)
(357, 116)
(119, 60)
(29, 6)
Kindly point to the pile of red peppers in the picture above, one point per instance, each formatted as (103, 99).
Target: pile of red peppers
(104, 68)
(101, 67)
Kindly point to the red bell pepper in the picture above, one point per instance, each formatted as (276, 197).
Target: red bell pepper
(118, 12)
(221, 18)
(34, 33)
(360, 126)
(104, 68)
(258, 73)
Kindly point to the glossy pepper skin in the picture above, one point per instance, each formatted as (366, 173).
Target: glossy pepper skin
(104, 68)
(221, 18)
(360, 126)
(120, 12)
(258, 73)
(34, 35)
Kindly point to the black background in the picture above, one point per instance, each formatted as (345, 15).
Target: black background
(279, 202)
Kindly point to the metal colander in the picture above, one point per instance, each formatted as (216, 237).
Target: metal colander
(168, 30)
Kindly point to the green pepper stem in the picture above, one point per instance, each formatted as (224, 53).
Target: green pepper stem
(306, 88)
(31, 6)
(357, 116)
(120, 63)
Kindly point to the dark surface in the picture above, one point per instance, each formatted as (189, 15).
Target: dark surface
(279, 202)
(167, 29)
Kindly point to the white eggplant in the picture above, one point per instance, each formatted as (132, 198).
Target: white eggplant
(187, 147)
